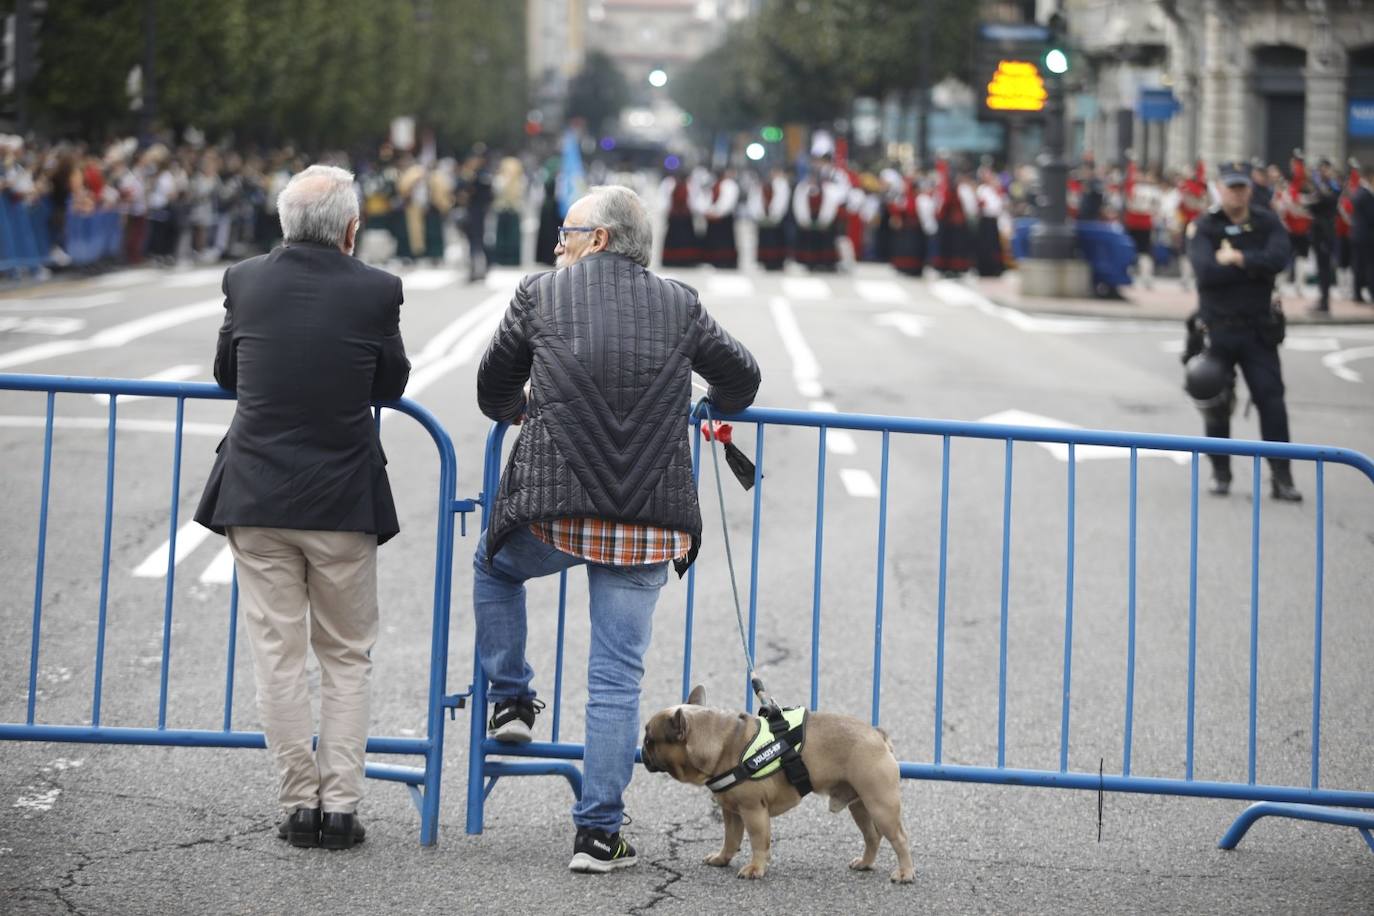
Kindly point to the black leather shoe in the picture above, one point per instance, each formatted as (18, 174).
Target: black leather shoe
(1220, 486)
(301, 828)
(341, 831)
(1284, 491)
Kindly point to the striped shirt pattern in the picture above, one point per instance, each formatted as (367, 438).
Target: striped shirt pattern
(611, 543)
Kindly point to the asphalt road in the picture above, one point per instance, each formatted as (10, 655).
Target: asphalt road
(103, 829)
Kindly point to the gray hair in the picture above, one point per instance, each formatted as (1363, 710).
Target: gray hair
(317, 205)
(621, 213)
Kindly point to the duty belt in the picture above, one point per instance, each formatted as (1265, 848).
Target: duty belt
(777, 745)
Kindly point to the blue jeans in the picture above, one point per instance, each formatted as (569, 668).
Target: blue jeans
(622, 602)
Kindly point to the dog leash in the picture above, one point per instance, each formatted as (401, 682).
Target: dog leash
(755, 682)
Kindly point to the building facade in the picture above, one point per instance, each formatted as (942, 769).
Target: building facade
(1175, 80)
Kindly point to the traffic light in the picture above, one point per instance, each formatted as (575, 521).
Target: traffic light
(1056, 57)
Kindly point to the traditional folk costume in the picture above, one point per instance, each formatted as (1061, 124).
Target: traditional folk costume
(953, 246)
(908, 235)
(991, 205)
(768, 204)
(1139, 212)
(815, 204)
(719, 208)
(680, 245)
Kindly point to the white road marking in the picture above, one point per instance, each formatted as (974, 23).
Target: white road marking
(457, 343)
(52, 325)
(1336, 362)
(221, 569)
(178, 373)
(952, 292)
(189, 537)
(1060, 450)
(806, 372)
(838, 441)
(60, 304)
(1311, 344)
(204, 276)
(130, 277)
(909, 324)
(214, 430)
(428, 279)
(858, 483)
(730, 286)
(805, 288)
(507, 279)
(117, 336)
(881, 291)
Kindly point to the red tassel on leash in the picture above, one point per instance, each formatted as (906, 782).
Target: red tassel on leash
(736, 459)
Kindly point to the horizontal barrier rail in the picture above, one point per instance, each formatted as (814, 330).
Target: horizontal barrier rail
(424, 782)
(944, 432)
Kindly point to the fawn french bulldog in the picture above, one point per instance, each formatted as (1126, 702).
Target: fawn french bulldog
(848, 760)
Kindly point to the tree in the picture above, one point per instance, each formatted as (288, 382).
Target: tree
(598, 92)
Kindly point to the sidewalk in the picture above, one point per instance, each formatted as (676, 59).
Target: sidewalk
(1167, 300)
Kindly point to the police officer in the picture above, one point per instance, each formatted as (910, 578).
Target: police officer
(1236, 252)
(1326, 192)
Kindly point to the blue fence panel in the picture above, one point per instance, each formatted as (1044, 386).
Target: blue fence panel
(21, 246)
(93, 237)
(1311, 801)
(424, 781)
(1106, 247)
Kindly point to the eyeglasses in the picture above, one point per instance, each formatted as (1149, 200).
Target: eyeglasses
(564, 230)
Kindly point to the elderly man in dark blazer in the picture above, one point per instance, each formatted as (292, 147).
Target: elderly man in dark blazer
(311, 337)
(601, 477)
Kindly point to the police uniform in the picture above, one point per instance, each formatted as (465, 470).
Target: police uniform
(1236, 311)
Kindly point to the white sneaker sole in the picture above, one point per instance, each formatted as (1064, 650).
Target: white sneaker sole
(514, 732)
(590, 864)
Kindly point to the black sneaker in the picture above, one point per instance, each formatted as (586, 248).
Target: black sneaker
(512, 720)
(598, 852)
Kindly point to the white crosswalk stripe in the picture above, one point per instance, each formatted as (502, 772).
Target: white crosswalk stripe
(810, 288)
(730, 286)
(859, 483)
(221, 569)
(189, 537)
(172, 374)
(885, 291)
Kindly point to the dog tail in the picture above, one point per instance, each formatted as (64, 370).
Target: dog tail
(887, 739)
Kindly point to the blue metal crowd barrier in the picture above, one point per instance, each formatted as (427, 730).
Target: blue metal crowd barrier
(93, 237)
(423, 782)
(23, 236)
(1310, 802)
(1106, 247)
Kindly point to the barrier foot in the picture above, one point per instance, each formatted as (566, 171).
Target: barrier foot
(1361, 821)
(496, 769)
(418, 797)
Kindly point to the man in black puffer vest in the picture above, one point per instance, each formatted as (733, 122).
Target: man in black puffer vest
(601, 476)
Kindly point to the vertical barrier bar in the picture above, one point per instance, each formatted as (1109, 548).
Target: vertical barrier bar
(1192, 618)
(233, 647)
(882, 560)
(1317, 630)
(171, 563)
(754, 555)
(97, 689)
(1068, 622)
(691, 570)
(42, 554)
(816, 573)
(1130, 615)
(940, 605)
(1254, 612)
(558, 657)
(1002, 646)
(438, 651)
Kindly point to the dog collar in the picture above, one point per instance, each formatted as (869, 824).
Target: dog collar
(776, 746)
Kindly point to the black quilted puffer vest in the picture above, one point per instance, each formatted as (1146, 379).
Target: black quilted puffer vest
(609, 348)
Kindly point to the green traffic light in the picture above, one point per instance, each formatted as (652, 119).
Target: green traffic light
(1056, 61)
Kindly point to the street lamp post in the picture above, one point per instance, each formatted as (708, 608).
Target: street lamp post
(1053, 236)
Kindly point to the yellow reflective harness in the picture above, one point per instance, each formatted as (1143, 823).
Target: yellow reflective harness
(776, 746)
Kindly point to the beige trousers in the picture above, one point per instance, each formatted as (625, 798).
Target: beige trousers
(320, 588)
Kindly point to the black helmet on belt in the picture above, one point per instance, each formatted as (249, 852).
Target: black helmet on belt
(1208, 380)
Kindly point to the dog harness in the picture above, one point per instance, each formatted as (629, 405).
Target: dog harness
(776, 746)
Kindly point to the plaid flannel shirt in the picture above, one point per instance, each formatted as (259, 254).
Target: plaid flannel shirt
(612, 544)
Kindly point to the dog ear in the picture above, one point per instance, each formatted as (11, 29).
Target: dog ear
(697, 695)
(678, 733)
